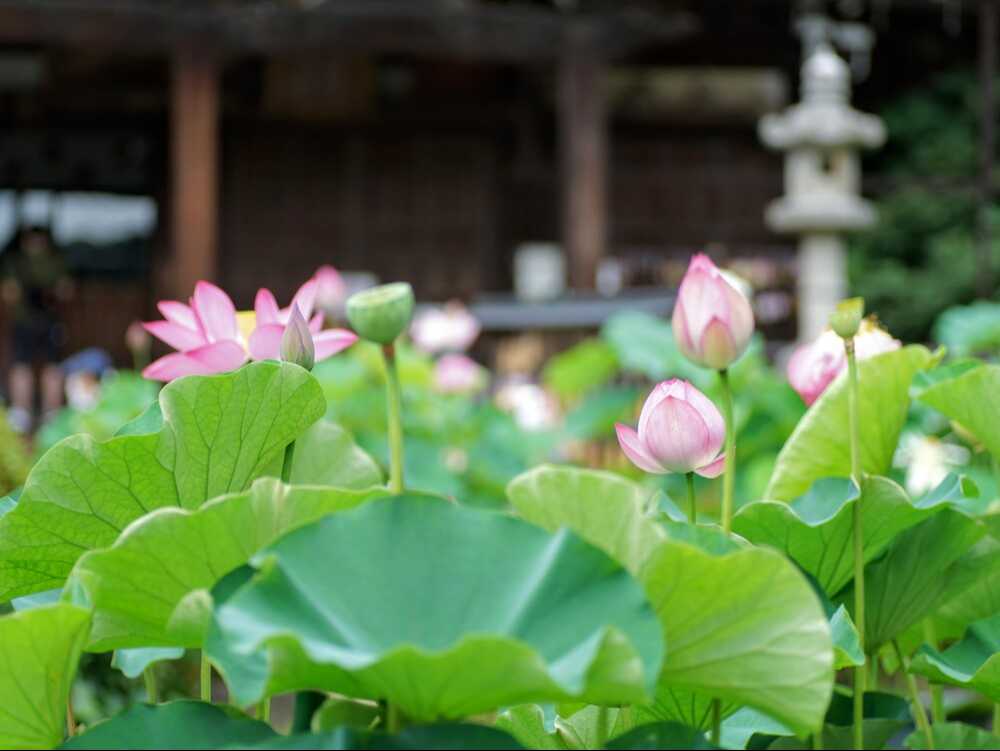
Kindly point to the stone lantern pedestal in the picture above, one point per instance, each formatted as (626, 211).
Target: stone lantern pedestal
(821, 136)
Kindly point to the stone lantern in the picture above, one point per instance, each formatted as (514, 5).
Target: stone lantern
(821, 136)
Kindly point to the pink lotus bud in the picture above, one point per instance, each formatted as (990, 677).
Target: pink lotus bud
(458, 374)
(680, 430)
(712, 320)
(297, 341)
(814, 365)
(449, 329)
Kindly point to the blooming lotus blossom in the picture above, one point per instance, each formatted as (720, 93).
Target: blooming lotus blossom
(459, 374)
(712, 319)
(531, 406)
(331, 291)
(265, 340)
(814, 365)
(205, 334)
(211, 337)
(928, 460)
(680, 430)
(449, 329)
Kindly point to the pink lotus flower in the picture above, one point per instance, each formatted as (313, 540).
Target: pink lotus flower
(680, 430)
(211, 337)
(265, 341)
(449, 329)
(814, 365)
(712, 320)
(331, 291)
(205, 333)
(459, 374)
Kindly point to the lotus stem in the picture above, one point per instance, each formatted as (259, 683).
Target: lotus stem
(70, 720)
(286, 465)
(392, 718)
(692, 501)
(394, 403)
(817, 741)
(716, 722)
(206, 678)
(918, 706)
(264, 710)
(603, 725)
(730, 471)
(149, 678)
(854, 426)
(938, 712)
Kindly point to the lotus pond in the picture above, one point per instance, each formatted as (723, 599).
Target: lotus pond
(346, 536)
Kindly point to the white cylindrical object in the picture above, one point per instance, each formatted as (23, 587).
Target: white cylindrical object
(822, 282)
(539, 272)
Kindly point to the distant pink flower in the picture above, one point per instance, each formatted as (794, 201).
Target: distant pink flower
(265, 341)
(449, 329)
(712, 320)
(331, 290)
(680, 430)
(205, 334)
(814, 365)
(459, 374)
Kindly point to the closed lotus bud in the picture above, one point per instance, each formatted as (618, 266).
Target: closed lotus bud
(297, 341)
(846, 317)
(381, 314)
(712, 320)
(680, 430)
(814, 365)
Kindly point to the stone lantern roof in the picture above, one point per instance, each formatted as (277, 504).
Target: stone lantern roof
(824, 118)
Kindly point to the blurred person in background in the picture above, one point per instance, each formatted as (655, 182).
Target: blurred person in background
(35, 281)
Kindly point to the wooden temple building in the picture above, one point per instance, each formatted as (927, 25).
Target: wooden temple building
(417, 139)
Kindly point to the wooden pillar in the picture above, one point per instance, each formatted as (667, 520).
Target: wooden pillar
(583, 137)
(987, 142)
(194, 171)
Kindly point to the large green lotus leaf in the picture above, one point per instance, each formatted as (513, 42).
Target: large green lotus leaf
(685, 707)
(973, 662)
(819, 446)
(416, 590)
(526, 722)
(177, 724)
(739, 728)
(151, 588)
(816, 529)
(981, 565)
(603, 508)
(955, 735)
(740, 624)
(441, 737)
(39, 652)
(327, 455)
(219, 433)
(970, 399)
(662, 735)
(921, 571)
(884, 716)
(846, 641)
(133, 661)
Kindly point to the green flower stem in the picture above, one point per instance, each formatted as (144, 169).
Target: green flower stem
(264, 710)
(392, 719)
(603, 727)
(206, 679)
(730, 471)
(854, 426)
(817, 741)
(918, 706)
(394, 401)
(286, 465)
(716, 722)
(149, 678)
(692, 501)
(70, 719)
(627, 721)
(938, 712)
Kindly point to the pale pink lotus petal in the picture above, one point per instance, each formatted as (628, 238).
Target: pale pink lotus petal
(673, 387)
(682, 332)
(330, 288)
(219, 357)
(703, 295)
(215, 311)
(677, 436)
(316, 323)
(741, 323)
(305, 299)
(265, 341)
(872, 341)
(332, 341)
(814, 365)
(718, 350)
(636, 451)
(174, 365)
(452, 328)
(177, 336)
(266, 307)
(179, 313)
(457, 374)
(714, 469)
(709, 413)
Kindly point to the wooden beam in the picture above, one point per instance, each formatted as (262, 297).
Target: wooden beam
(583, 143)
(194, 169)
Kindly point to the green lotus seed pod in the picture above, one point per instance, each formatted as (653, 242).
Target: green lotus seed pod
(382, 313)
(846, 318)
